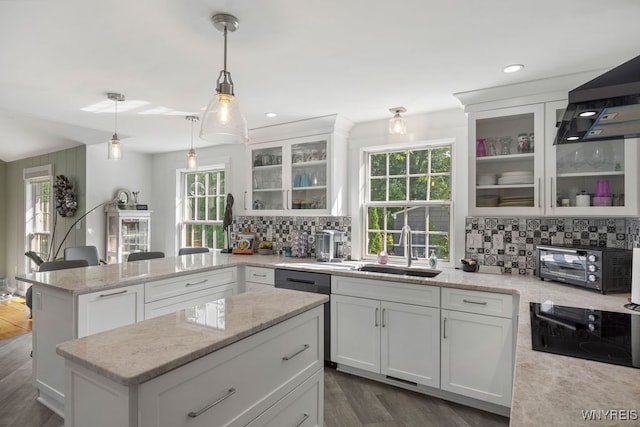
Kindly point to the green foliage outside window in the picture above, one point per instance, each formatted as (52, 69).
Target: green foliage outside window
(408, 177)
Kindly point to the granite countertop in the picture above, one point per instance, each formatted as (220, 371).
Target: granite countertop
(139, 352)
(548, 388)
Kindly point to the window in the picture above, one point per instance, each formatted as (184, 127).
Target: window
(38, 211)
(409, 186)
(204, 203)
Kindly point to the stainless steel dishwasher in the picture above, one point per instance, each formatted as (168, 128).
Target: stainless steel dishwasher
(310, 282)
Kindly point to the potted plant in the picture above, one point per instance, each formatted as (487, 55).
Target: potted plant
(265, 248)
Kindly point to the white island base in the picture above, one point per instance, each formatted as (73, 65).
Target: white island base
(270, 377)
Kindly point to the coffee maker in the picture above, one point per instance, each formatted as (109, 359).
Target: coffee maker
(330, 245)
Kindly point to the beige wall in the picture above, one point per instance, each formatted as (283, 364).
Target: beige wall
(70, 162)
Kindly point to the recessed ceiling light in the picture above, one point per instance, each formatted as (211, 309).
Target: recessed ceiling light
(513, 68)
(587, 114)
(271, 114)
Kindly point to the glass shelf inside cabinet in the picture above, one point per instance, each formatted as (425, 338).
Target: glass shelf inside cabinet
(505, 161)
(596, 169)
(267, 188)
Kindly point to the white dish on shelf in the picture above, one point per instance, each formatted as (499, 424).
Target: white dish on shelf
(511, 180)
(516, 173)
(487, 179)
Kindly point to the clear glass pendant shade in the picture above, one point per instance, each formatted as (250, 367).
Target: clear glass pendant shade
(192, 160)
(397, 125)
(223, 122)
(115, 148)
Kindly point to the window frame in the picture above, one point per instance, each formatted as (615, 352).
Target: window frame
(31, 176)
(366, 203)
(220, 199)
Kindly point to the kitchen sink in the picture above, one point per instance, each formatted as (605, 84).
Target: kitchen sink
(402, 271)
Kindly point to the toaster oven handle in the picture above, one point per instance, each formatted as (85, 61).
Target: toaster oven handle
(556, 249)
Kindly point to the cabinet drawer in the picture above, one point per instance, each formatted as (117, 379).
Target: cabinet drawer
(386, 290)
(171, 305)
(488, 303)
(166, 288)
(301, 407)
(262, 275)
(245, 379)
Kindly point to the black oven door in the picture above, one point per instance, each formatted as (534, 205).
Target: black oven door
(563, 265)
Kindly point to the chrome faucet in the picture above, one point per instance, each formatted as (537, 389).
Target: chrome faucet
(407, 241)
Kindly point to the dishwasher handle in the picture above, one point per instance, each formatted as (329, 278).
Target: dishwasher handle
(306, 282)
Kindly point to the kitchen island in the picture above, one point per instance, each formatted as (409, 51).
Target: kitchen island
(548, 389)
(222, 362)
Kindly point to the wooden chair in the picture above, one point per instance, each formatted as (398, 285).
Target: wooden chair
(189, 251)
(89, 253)
(139, 256)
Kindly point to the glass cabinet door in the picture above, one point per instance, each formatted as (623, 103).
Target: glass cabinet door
(506, 166)
(309, 175)
(267, 179)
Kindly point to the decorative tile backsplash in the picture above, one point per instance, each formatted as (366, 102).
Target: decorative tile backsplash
(510, 242)
(280, 229)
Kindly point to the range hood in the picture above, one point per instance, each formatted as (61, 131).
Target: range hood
(607, 107)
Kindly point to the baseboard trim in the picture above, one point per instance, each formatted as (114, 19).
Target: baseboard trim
(430, 391)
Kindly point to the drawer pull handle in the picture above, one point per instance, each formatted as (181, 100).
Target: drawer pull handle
(114, 293)
(474, 302)
(230, 393)
(306, 346)
(376, 319)
(259, 275)
(197, 283)
(304, 418)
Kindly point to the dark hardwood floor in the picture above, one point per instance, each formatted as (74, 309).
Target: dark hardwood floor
(350, 401)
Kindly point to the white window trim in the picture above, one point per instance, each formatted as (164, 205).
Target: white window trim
(30, 175)
(180, 177)
(364, 195)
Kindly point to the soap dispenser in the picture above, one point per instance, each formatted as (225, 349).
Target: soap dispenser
(433, 259)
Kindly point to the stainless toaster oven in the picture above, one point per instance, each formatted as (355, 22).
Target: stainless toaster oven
(602, 269)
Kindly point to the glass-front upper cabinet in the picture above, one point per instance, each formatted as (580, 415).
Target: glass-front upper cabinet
(128, 231)
(294, 176)
(590, 178)
(507, 161)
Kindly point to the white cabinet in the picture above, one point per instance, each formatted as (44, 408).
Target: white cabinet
(505, 174)
(170, 295)
(477, 348)
(507, 179)
(127, 231)
(101, 311)
(258, 277)
(396, 339)
(298, 168)
(293, 176)
(59, 316)
(273, 377)
(577, 169)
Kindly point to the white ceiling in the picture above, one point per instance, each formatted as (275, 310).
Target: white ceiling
(300, 59)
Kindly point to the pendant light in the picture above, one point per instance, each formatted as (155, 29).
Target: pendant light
(396, 124)
(223, 122)
(115, 146)
(192, 157)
